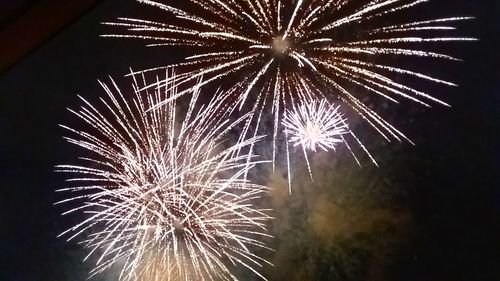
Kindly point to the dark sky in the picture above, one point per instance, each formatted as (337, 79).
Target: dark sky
(450, 178)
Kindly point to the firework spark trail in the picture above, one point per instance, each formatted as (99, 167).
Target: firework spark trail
(324, 47)
(164, 199)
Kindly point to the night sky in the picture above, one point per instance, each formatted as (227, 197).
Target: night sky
(429, 212)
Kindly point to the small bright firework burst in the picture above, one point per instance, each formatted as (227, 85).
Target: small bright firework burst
(318, 124)
(282, 52)
(164, 199)
(315, 125)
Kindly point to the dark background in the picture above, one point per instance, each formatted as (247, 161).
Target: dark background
(447, 186)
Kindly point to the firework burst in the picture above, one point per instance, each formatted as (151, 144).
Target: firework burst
(318, 124)
(315, 125)
(164, 199)
(283, 52)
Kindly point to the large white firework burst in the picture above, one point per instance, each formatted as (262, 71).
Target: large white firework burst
(164, 198)
(278, 52)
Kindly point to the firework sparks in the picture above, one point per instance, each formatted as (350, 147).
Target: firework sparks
(164, 199)
(290, 51)
(317, 124)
